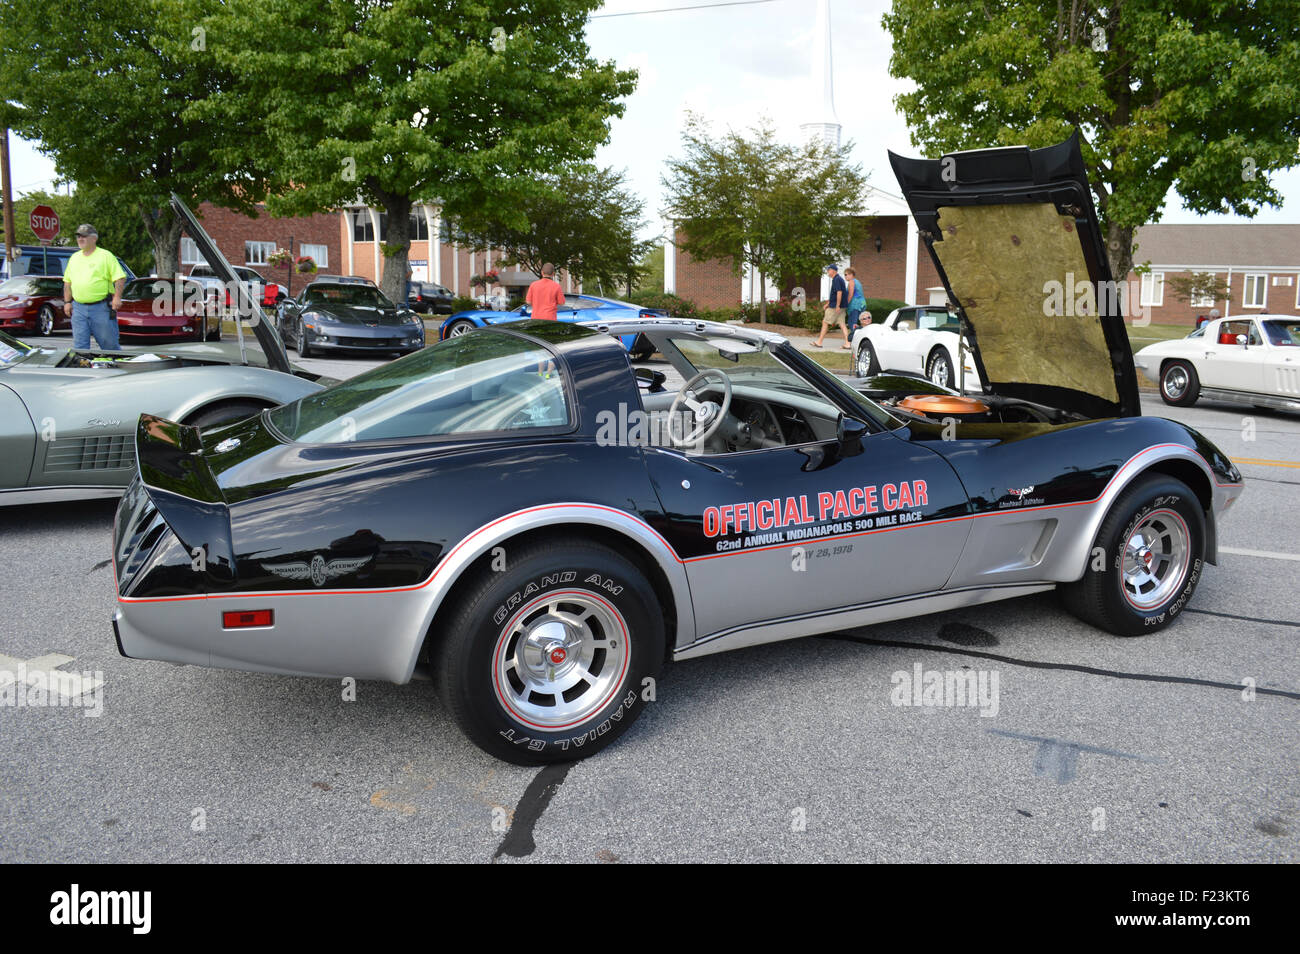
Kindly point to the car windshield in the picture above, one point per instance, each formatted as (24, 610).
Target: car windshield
(11, 349)
(356, 296)
(1284, 332)
(470, 384)
(31, 286)
(160, 289)
(753, 366)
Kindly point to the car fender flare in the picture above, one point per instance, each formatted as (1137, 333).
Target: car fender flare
(475, 544)
(1135, 467)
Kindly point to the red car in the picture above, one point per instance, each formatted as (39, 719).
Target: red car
(33, 303)
(160, 309)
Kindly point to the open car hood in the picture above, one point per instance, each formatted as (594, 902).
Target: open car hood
(1015, 238)
(270, 343)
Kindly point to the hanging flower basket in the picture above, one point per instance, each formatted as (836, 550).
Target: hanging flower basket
(484, 280)
(280, 258)
(306, 264)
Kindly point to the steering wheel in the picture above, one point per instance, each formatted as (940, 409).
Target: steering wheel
(708, 415)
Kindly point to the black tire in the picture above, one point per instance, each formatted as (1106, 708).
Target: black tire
(642, 349)
(304, 349)
(484, 646)
(938, 364)
(865, 363)
(225, 413)
(46, 319)
(1179, 385)
(213, 332)
(462, 327)
(1106, 597)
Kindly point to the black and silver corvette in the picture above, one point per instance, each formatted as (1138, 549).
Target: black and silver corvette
(348, 316)
(537, 525)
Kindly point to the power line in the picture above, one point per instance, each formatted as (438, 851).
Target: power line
(698, 6)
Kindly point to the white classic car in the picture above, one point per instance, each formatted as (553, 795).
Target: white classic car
(1246, 360)
(917, 339)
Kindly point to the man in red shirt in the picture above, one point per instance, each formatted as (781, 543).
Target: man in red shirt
(545, 296)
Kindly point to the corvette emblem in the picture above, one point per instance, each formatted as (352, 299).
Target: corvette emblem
(229, 444)
(318, 570)
(1020, 492)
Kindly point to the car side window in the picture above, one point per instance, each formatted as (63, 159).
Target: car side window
(470, 384)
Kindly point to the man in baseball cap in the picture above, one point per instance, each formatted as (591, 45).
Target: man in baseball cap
(836, 307)
(92, 291)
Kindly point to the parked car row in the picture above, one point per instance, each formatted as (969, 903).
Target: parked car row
(152, 308)
(575, 308)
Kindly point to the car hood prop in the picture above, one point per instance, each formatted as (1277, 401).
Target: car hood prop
(1016, 241)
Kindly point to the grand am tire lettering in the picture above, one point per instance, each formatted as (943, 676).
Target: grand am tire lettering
(540, 662)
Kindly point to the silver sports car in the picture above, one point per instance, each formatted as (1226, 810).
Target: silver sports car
(68, 416)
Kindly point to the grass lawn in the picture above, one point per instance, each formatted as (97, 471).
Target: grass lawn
(1142, 335)
(832, 360)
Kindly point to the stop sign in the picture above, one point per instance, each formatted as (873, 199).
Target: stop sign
(44, 222)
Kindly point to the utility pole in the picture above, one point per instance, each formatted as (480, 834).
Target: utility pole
(5, 185)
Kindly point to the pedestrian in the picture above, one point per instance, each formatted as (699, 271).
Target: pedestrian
(545, 296)
(1206, 319)
(92, 291)
(857, 301)
(836, 307)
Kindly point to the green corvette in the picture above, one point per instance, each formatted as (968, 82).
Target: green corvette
(68, 417)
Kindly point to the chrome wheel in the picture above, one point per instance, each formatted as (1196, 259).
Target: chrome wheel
(864, 360)
(460, 328)
(561, 659)
(1175, 382)
(940, 373)
(45, 324)
(1155, 559)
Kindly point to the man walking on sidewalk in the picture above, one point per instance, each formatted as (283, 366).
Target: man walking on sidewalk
(836, 307)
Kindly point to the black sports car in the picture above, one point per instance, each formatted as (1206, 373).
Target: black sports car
(539, 526)
(348, 316)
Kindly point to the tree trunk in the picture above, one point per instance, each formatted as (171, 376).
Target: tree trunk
(164, 227)
(397, 248)
(1119, 249)
(762, 297)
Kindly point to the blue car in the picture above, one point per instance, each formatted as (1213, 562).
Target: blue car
(575, 308)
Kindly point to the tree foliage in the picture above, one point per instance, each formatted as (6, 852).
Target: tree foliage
(390, 102)
(583, 219)
(1198, 286)
(102, 86)
(1194, 95)
(782, 209)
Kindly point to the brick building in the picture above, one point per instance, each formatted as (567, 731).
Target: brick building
(1259, 263)
(244, 240)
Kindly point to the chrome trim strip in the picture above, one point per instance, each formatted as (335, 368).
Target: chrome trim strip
(1249, 397)
(866, 614)
(25, 495)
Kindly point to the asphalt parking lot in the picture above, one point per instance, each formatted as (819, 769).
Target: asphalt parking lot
(1100, 749)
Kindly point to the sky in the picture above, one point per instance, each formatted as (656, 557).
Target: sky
(733, 65)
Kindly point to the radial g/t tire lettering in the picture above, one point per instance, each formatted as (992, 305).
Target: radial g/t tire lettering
(545, 660)
(1152, 551)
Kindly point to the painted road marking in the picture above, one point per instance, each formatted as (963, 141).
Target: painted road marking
(1271, 554)
(1265, 463)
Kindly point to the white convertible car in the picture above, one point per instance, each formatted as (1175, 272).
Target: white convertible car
(1246, 360)
(917, 339)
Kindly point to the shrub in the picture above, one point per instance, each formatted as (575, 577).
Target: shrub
(678, 307)
(461, 303)
(881, 307)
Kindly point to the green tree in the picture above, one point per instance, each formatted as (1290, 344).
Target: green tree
(119, 226)
(1198, 286)
(1195, 95)
(583, 219)
(100, 85)
(652, 270)
(782, 209)
(397, 101)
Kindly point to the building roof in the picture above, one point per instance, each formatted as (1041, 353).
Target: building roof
(1276, 246)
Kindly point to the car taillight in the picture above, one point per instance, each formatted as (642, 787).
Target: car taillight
(244, 619)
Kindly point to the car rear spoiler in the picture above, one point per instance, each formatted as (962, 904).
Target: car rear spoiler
(178, 479)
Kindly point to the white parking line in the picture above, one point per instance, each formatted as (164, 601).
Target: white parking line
(1271, 554)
